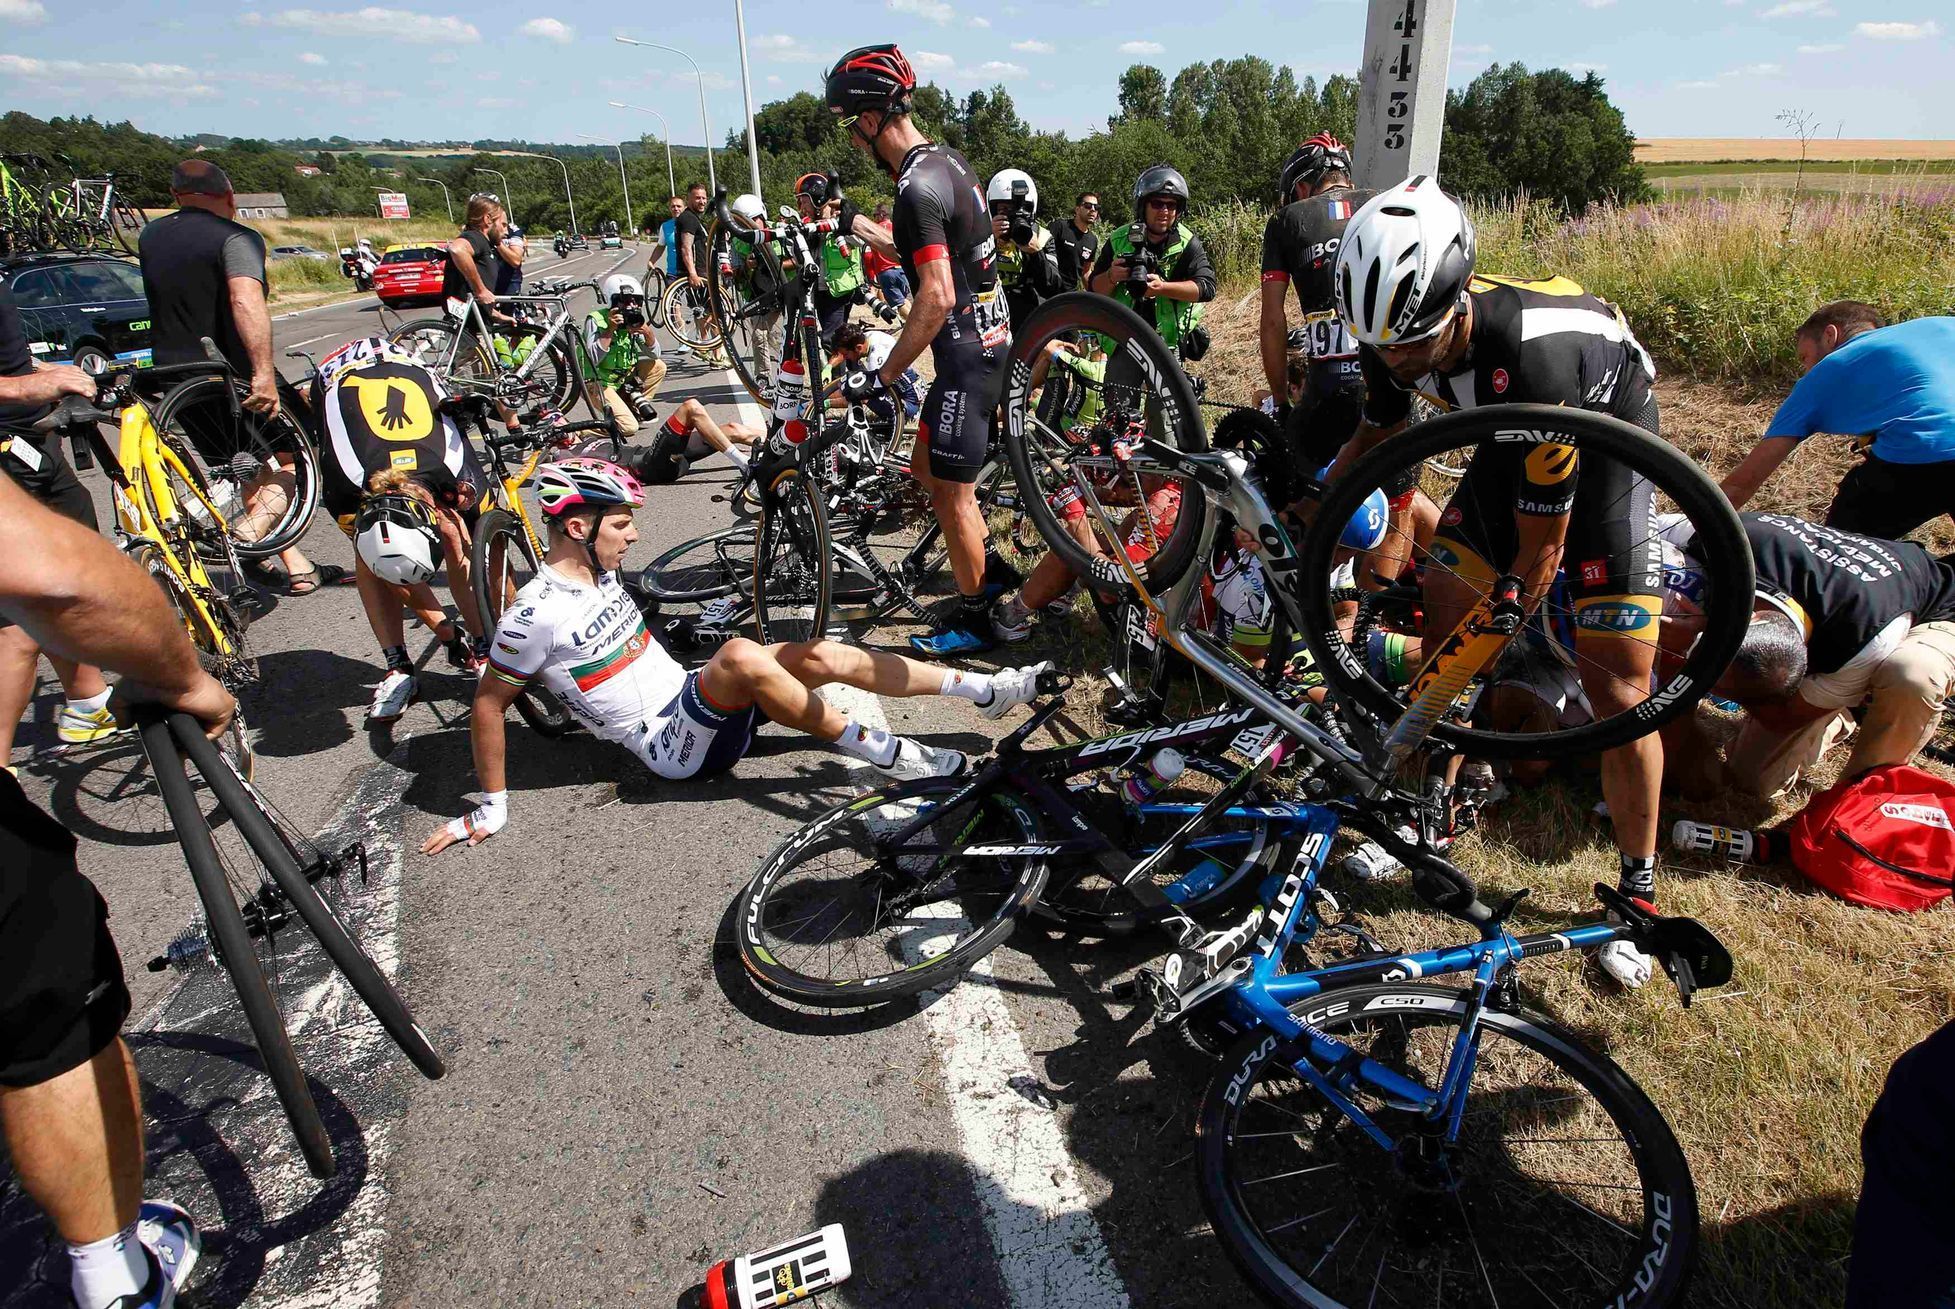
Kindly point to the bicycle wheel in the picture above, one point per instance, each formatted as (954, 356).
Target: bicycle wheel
(705, 568)
(261, 473)
(655, 297)
(1144, 395)
(1221, 867)
(1566, 1188)
(501, 563)
(211, 573)
(1674, 486)
(793, 566)
(228, 890)
(833, 918)
(689, 316)
(126, 223)
(472, 369)
(287, 854)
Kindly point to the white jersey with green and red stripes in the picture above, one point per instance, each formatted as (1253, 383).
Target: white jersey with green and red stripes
(589, 646)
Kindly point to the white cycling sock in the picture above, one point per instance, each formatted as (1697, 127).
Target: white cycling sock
(975, 687)
(104, 1271)
(739, 460)
(93, 704)
(874, 744)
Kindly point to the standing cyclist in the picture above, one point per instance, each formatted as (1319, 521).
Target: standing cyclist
(1406, 290)
(943, 236)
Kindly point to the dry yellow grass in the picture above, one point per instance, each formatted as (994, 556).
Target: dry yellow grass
(1707, 149)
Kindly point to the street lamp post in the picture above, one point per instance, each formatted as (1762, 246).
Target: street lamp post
(712, 181)
(746, 90)
(508, 191)
(622, 180)
(444, 195)
(671, 181)
(568, 198)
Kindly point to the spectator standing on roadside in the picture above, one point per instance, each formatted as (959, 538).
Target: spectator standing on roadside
(1026, 266)
(204, 276)
(1182, 279)
(70, 1108)
(27, 392)
(667, 247)
(696, 254)
(474, 266)
(1074, 242)
(1891, 387)
(509, 252)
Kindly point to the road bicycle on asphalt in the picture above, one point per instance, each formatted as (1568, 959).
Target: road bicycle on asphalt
(530, 359)
(258, 878)
(1368, 1138)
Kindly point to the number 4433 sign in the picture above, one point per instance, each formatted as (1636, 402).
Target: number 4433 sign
(1402, 89)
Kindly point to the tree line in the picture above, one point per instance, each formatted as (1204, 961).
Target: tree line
(1227, 125)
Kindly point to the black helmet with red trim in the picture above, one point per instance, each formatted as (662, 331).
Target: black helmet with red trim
(1322, 154)
(871, 77)
(818, 187)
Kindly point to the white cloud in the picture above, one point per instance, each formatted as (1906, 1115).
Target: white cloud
(172, 81)
(1472, 50)
(316, 60)
(1821, 49)
(787, 50)
(1142, 48)
(494, 102)
(977, 22)
(1001, 70)
(1730, 75)
(388, 24)
(1578, 66)
(1798, 9)
(1898, 31)
(549, 29)
(773, 79)
(1034, 47)
(22, 11)
(934, 10)
(1597, 4)
(931, 59)
(1697, 86)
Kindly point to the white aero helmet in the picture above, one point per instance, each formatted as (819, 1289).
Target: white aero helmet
(748, 209)
(1404, 263)
(1012, 184)
(397, 537)
(622, 284)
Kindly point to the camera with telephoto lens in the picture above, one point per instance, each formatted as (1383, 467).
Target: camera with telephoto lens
(632, 312)
(1020, 225)
(1143, 262)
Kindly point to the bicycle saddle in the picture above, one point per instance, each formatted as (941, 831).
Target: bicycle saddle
(1689, 951)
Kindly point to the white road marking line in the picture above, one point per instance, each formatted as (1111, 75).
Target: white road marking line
(1048, 1244)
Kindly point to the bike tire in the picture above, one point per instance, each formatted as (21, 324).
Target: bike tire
(222, 641)
(353, 962)
(701, 569)
(1656, 1264)
(905, 961)
(1720, 534)
(1164, 396)
(655, 297)
(474, 368)
(500, 562)
(682, 321)
(197, 400)
(794, 566)
(740, 320)
(235, 950)
(126, 223)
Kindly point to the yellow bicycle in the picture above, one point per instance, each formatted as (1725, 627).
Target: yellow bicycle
(167, 517)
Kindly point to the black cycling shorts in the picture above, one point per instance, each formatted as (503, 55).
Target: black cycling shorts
(832, 313)
(1612, 559)
(955, 421)
(62, 997)
(54, 484)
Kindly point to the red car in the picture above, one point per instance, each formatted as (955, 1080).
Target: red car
(411, 274)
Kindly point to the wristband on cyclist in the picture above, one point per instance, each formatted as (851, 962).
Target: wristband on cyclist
(485, 820)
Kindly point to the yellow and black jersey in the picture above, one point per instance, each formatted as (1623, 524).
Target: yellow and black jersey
(385, 412)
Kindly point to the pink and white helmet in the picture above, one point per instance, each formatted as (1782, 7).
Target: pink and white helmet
(585, 483)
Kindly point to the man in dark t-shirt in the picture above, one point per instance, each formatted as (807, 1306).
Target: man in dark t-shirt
(474, 268)
(1877, 622)
(689, 230)
(1074, 242)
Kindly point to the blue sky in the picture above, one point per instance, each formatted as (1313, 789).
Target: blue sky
(255, 68)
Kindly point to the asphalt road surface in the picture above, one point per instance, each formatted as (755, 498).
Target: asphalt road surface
(622, 1108)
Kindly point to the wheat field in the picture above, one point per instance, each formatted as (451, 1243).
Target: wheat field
(1715, 149)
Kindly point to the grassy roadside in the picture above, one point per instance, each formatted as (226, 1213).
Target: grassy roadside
(1739, 167)
(304, 282)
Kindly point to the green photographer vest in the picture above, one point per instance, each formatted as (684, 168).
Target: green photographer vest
(1171, 317)
(841, 273)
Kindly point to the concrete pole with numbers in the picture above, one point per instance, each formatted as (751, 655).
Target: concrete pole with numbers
(1408, 45)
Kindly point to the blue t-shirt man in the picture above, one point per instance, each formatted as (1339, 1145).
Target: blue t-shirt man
(1891, 387)
(1896, 384)
(668, 235)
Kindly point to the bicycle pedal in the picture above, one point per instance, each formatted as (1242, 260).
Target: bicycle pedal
(1123, 991)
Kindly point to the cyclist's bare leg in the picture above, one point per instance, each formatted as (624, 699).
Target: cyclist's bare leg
(384, 603)
(77, 1144)
(781, 679)
(455, 550)
(1615, 673)
(693, 418)
(965, 532)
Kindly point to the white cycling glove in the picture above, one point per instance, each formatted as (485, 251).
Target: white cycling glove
(485, 820)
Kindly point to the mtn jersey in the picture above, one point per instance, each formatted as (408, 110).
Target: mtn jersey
(589, 646)
(1547, 342)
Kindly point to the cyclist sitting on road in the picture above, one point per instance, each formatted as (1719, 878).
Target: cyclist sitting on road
(574, 627)
(1406, 290)
(688, 435)
(625, 348)
(386, 440)
(1892, 387)
(944, 238)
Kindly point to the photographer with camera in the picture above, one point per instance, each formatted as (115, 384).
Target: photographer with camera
(819, 195)
(1027, 266)
(1157, 266)
(629, 364)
